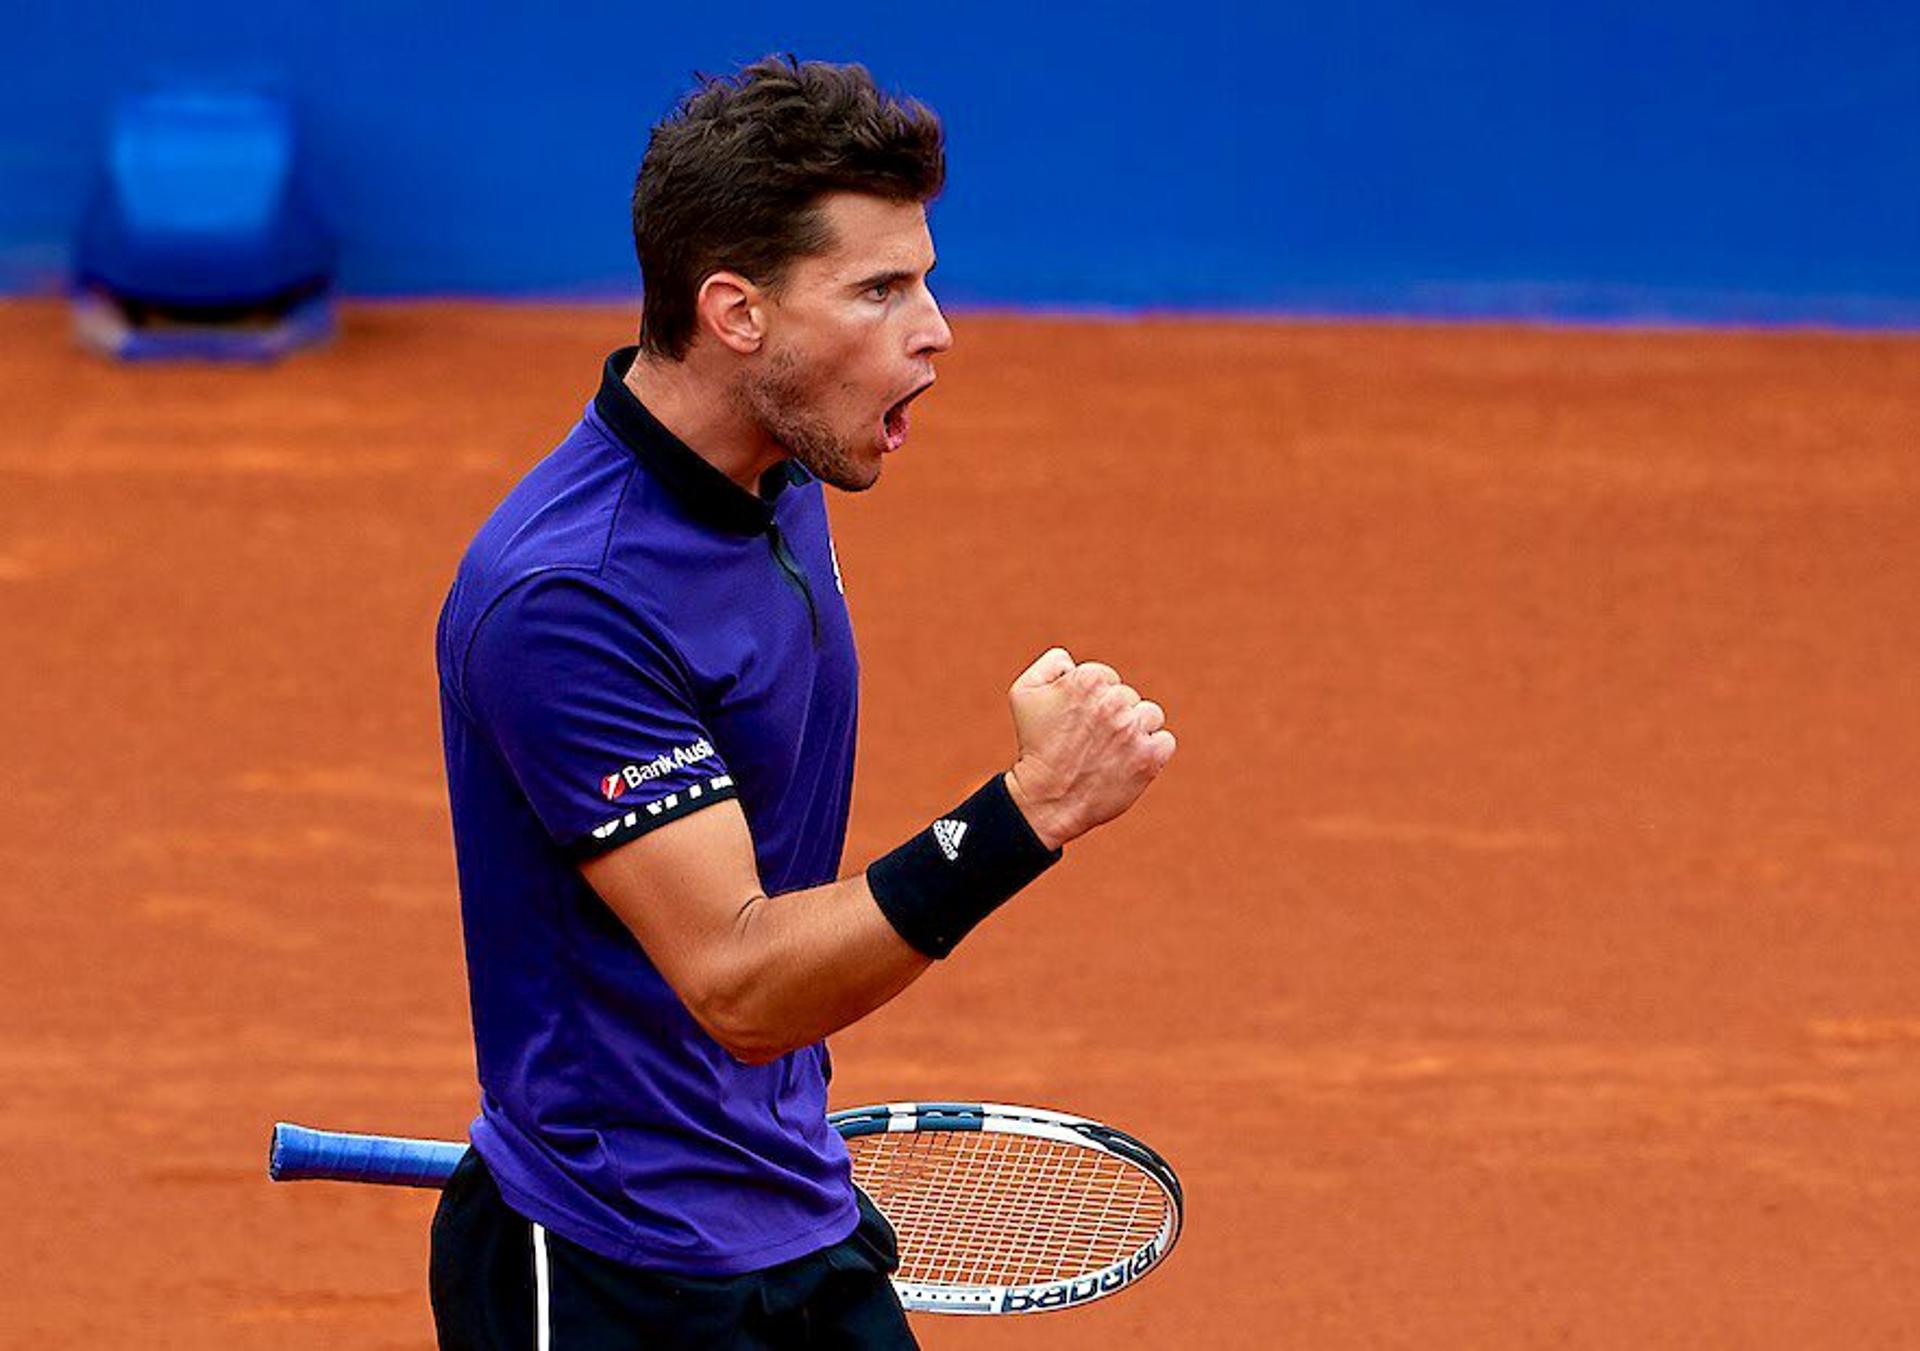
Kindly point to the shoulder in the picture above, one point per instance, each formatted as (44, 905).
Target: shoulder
(538, 567)
(561, 514)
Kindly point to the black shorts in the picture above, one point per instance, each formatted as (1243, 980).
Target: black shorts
(500, 1283)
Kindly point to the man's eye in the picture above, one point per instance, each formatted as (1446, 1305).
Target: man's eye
(880, 290)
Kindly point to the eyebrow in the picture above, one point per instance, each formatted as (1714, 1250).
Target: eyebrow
(891, 277)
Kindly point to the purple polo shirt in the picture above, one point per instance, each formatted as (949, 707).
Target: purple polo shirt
(632, 637)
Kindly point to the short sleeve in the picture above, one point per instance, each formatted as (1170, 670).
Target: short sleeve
(592, 712)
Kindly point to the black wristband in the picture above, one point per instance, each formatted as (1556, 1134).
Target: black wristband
(934, 888)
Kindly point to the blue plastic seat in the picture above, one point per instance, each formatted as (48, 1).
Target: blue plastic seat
(203, 208)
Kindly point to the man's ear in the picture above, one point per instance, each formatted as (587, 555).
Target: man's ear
(733, 310)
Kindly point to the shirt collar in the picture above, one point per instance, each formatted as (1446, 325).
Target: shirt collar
(704, 490)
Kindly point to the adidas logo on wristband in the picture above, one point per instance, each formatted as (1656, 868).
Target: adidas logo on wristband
(947, 834)
(932, 899)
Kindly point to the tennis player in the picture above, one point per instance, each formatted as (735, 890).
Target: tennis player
(648, 688)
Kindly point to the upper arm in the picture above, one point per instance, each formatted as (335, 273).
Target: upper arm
(683, 890)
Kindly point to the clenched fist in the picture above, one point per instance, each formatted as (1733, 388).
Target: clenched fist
(1089, 745)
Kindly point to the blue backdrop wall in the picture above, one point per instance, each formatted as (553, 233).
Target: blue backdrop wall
(1634, 159)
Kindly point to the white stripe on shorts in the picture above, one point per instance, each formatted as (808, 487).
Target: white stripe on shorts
(542, 1292)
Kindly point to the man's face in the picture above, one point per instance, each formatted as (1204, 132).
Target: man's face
(851, 337)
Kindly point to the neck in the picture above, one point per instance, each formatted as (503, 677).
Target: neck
(698, 408)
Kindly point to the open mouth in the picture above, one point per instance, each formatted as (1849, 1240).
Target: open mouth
(893, 427)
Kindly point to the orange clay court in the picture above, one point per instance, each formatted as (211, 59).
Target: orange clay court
(1523, 950)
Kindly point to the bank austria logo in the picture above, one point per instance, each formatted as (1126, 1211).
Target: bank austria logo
(628, 777)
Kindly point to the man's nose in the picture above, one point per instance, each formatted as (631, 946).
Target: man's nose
(935, 336)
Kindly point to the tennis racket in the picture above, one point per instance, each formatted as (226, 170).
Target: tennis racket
(999, 1209)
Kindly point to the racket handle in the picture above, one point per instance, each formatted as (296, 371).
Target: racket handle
(299, 1153)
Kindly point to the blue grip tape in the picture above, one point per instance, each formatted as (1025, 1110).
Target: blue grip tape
(299, 1153)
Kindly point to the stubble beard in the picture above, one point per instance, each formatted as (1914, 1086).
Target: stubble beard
(776, 398)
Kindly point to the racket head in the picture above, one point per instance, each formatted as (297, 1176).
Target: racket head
(1002, 1209)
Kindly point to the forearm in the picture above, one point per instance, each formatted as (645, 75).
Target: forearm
(803, 965)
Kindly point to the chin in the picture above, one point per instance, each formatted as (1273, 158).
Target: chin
(848, 475)
(834, 462)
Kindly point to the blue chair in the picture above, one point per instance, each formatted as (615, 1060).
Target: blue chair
(204, 239)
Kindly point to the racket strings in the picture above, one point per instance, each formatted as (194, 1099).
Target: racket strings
(983, 1208)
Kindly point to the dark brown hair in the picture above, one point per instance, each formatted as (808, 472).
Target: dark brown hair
(732, 176)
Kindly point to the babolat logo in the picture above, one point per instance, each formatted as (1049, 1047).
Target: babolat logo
(1068, 1293)
(629, 777)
